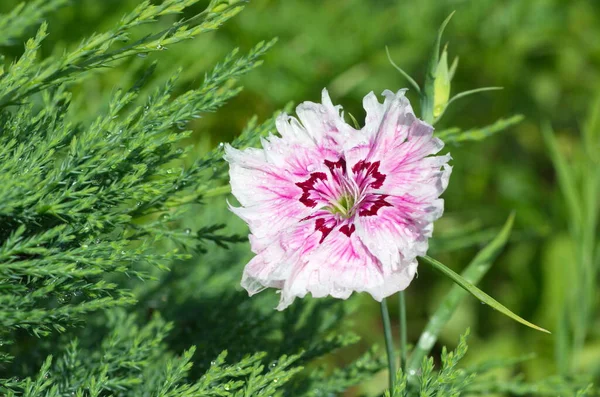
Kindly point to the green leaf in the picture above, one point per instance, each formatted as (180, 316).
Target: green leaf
(566, 179)
(477, 293)
(453, 68)
(402, 72)
(456, 135)
(462, 95)
(474, 272)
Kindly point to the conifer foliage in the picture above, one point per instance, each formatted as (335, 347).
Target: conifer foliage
(92, 216)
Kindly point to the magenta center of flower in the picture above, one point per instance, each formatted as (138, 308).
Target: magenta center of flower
(341, 193)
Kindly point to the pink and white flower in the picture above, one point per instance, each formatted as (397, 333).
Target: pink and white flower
(332, 209)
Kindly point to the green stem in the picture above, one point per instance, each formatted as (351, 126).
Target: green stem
(403, 333)
(389, 342)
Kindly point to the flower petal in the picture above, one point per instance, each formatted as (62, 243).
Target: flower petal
(340, 265)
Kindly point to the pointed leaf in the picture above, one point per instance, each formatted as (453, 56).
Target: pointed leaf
(453, 68)
(477, 293)
(471, 92)
(564, 173)
(462, 95)
(402, 72)
(455, 135)
(473, 273)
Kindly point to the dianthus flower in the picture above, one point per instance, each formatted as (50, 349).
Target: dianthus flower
(332, 209)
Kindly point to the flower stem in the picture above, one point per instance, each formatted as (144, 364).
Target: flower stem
(389, 342)
(403, 333)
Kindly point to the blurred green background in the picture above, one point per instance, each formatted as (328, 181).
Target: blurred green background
(546, 55)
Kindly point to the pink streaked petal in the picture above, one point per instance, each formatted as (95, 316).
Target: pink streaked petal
(397, 235)
(427, 178)
(277, 260)
(292, 131)
(337, 267)
(265, 270)
(388, 121)
(324, 122)
(397, 280)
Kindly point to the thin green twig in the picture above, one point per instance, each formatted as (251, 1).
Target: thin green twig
(389, 343)
(403, 333)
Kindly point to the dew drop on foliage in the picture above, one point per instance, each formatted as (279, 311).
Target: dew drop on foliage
(188, 231)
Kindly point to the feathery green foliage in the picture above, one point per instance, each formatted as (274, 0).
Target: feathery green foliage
(452, 380)
(92, 216)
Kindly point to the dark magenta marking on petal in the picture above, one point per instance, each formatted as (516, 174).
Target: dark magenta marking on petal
(341, 164)
(348, 229)
(375, 206)
(372, 170)
(309, 185)
(321, 226)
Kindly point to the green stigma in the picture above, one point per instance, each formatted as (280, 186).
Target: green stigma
(343, 206)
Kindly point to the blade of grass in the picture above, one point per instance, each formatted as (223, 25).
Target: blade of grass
(565, 178)
(474, 272)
